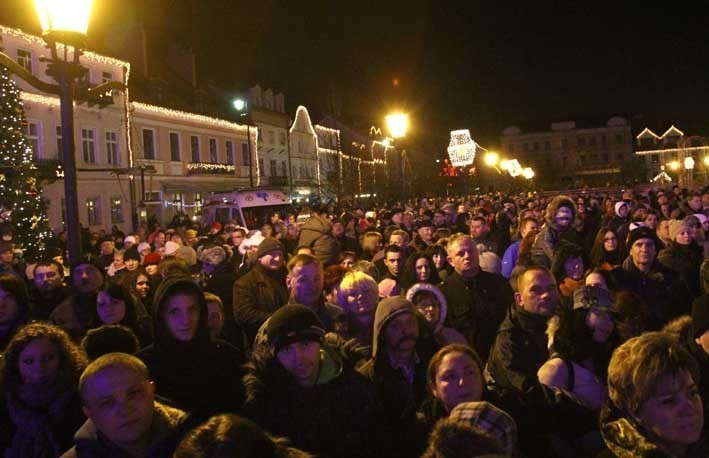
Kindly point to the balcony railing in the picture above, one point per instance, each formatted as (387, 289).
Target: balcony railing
(209, 168)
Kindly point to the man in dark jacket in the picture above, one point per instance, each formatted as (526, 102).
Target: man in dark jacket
(123, 417)
(400, 356)
(49, 289)
(424, 235)
(75, 312)
(641, 273)
(316, 233)
(300, 387)
(477, 300)
(520, 346)
(262, 290)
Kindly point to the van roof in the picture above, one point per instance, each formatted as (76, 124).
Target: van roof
(250, 198)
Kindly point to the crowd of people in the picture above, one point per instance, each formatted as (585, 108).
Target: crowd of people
(515, 325)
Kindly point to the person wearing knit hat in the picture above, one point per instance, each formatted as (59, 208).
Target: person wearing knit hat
(191, 236)
(683, 254)
(151, 262)
(490, 419)
(131, 259)
(251, 243)
(316, 381)
(144, 248)
(662, 289)
(129, 241)
(171, 248)
(262, 290)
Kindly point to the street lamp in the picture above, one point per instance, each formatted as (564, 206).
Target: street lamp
(491, 159)
(243, 108)
(398, 123)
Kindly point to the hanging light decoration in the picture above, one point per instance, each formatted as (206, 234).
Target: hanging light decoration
(461, 149)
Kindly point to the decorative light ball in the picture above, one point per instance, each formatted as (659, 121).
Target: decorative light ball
(689, 162)
(461, 149)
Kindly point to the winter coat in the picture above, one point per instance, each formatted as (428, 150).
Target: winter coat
(625, 438)
(550, 234)
(520, 349)
(335, 418)
(685, 261)
(316, 233)
(42, 306)
(509, 259)
(200, 376)
(164, 437)
(257, 295)
(661, 289)
(221, 283)
(74, 314)
(397, 398)
(443, 335)
(476, 307)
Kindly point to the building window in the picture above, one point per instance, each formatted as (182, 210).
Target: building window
(583, 159)
(282, 138)
(284, 169)
(594, 158)
(270, 137)
(526, 147)
(620, 157)
(112, 148)
(106, 76)
(564, 161)
(619, 139)
(24, 58)
(245, 154)
(261, 170)
(175, 153)
(230, 152)
(152, 196)
(603, 140)
(581, 141)
(93, 210)
(564, 143)
(592, 141)
(274, 168)
(58, 132)
(148, 144)
(655, 158)
(194, 147)
(32, 132)
(213, 154)
(604, 156)
(88, 145)
(535, 146)
(547, 146)
(198, 202)
(177, 202)
(116, 210)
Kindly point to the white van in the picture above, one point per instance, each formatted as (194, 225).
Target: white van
(249, 208)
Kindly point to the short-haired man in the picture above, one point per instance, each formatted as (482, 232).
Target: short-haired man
(394, 260)
(48, 289)
(520, 347)
(305, 285)
(123, 417)
(480, 233)
(477, 300)
(301, 387)
(424, 235)
(666, 295)
(262, 290)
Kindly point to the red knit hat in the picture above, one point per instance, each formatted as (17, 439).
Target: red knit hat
(151, 259)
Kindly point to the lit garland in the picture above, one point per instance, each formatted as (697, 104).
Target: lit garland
(208, 167)
(21, 201)
(461, 149)
(189, 117)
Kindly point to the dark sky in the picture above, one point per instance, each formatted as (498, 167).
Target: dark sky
(480, 65)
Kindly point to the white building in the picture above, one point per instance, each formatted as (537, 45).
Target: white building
(100, 136)
(268, 113)
(305, 173)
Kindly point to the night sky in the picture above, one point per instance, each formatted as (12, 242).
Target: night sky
(469, 64)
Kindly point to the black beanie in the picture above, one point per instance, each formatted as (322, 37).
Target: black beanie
(293, 323)
(268, 244)
(131, 253)
(641, 233)
(700, 315)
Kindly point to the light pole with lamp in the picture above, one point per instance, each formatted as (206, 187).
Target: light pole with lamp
(244, 109)
(64, 24)
(398, 124)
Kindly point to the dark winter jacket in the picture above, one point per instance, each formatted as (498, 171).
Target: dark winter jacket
(316, 233)
(685, 261)
(74, 314)
(477, 306)
(397, 398)
(550, 234)
(200, 376)
(335, 418)
(257, 295)
(41, 306)
(221, 283)
(661, 289)
(625, 438)
(519, 351)
(164, 437)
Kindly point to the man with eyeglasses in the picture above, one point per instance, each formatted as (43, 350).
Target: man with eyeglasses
(47, 290)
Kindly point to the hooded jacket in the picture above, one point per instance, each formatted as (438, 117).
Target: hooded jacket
(335, 418)
(550, 233)
(164, 437)
(200, 376)
(316, 233)
(444, 335)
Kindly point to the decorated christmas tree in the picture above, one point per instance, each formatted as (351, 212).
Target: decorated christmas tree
(21, 204)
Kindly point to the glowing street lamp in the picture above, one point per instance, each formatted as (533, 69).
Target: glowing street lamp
(397, 123)
(239, 104)
(674, 165)
(491, 159)
(689, 163)
(528, 173)
(64, 16)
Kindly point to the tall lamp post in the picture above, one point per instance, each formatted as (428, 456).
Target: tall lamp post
(64, 24)
(244, 109)
(398, 123)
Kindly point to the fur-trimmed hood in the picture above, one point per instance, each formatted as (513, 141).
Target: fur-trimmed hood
(553, 206)
(418, 287)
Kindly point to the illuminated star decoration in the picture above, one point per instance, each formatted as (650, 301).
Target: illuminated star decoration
(461, 149)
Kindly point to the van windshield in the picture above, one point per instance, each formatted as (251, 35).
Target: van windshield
(256, 217)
